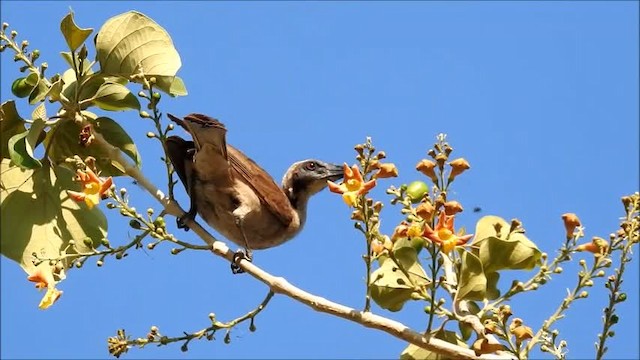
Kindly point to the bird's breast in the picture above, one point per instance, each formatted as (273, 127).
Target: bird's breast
(222, 207)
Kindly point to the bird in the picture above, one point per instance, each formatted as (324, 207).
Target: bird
(237, 197)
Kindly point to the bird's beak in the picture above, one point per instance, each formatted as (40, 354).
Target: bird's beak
(334, 172)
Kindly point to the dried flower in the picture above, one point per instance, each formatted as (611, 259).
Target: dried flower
(352, 186)
(519, 330)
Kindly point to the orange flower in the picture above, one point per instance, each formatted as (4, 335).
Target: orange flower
(444, 234)
(93, 188)
(571, 221)
(352, 186)
(458, 166)
(427, 167)
(44, 279)
(597, 246)
(386, 171)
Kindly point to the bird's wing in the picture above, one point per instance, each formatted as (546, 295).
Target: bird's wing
(206, 130)
(261, 182)
(180, 152)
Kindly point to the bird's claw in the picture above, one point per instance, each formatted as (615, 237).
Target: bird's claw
(237, 257)
(181, 222)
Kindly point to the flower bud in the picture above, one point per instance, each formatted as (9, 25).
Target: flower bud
(452, 207)
(571, 221)
(425, 210)
(427, 167)
(458, 166)
(386, 171)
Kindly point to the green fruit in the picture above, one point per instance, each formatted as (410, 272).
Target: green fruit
(21, 88)
(417, 190)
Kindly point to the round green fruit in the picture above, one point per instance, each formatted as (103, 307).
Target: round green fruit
(21, 88)
(417, 190)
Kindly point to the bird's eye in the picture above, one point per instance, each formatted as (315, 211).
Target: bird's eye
(311, 166)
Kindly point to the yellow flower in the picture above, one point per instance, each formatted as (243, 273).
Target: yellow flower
(352, 186)
(93, 188)
(43, 277)
(444, 234)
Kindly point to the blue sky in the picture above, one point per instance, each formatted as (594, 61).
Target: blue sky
(540, 97)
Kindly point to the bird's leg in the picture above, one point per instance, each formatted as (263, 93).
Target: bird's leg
(239, 215)
(190, 185)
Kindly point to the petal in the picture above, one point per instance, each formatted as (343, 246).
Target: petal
(441, 221)
(335, 188)
(350, 198)
(356, 174)
(366, 187)
(106, 185)
(51, 296)
(348, 173)
(463, 239)
(92, 176)
(77, 196)
(92, 200)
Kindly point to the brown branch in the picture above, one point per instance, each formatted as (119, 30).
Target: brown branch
(280, 285)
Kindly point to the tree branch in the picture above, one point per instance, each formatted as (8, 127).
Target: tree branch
(280, 285)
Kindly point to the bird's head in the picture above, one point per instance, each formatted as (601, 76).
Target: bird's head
(305, 178)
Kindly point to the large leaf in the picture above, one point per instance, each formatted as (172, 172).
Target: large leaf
(63, 143)
(498, 248)
(21, 151)
(131, 42)
(73, 35)
(172, 85)
(473, 282)
(115, 97)
(42, 218)
(10, 124)
(390, 288)
(413, 352)
(90, 86)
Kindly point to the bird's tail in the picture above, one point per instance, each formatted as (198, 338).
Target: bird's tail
(204, 130)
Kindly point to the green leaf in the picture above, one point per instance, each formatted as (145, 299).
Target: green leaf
(65, 144)
(39, 92)
(40, 112)
(55, 92)
(473, 282)
(413, 352)
(21, 151)
(517, 253)
(172, 85)
(130, 42)
(390, 288)
(487, 226)
(10, 124)
(53, 218)
(90, 85)
(116, 136)
(115, 97)
(501, 249)
(74, 35)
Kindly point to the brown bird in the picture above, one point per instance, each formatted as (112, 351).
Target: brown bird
(235, 195)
